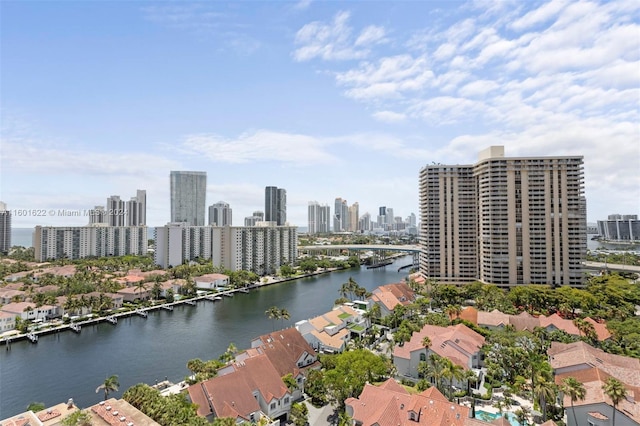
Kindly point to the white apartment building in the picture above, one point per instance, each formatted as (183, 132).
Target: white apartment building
(261, 249)
(504, 220)
(76, 242)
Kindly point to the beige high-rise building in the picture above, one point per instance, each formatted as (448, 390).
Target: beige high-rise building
(504, 220)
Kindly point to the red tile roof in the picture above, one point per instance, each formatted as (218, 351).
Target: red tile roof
(391, 405)
(231, 395)
(457, 343)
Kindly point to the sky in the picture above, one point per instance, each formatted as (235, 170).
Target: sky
(326, 99)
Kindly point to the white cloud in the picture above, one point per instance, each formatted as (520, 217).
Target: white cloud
(334, 41)
(302, 4)
(260, 146)
(389, 116)
(371, 35)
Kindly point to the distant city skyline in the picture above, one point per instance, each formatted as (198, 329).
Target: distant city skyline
(325, 99)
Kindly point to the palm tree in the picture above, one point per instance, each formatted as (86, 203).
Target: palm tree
(545, 391)
(452, 372)
(426, 344)
(110, 384)
(575, 390)
(284, 316)
(273, 313)
(615, 390)
(140, 287)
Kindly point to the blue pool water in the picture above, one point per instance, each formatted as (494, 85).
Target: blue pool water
(488, 417)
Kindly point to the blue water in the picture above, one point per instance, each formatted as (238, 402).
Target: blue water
(488, 417)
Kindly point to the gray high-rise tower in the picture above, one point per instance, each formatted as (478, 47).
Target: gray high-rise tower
(220, 214)
(5, 228)
(275, 205)
(188, 196)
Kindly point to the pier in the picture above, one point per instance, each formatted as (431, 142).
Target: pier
(167, 307)
(75, 327)
(142, 313)
(113, 320)
(33, 338)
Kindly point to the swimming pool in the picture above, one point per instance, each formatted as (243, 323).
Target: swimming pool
(488, 417)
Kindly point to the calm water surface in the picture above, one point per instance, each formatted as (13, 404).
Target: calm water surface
(68, 365)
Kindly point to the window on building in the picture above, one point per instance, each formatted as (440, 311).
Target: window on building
(273, 405)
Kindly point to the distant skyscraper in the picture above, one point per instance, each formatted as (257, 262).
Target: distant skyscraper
(5, 228)
(137, 209)
(504, 220)
(115, 211)
(97, 215)
(259, 215)
(340, 215)
(319, 218)
(275, 205)
(220, 214)
(354, 214)
(188, 196)
(364, 224)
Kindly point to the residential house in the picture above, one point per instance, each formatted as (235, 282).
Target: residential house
(7, 322)
(330, 332)
(289, 353)
(495, 320)
(556, 322)
(248, 391)
(118, 412)
(8, 295)
(29, 311)
(212, 281)
(592, 367)
(53, 416)
(129, 280)
(130, 294)
(390, 404)
(116, 299)
(18, 276)
(458, 343)
(391, 295)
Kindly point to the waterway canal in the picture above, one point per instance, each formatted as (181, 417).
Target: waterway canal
(68, 365)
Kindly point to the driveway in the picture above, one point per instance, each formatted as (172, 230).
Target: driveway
(320, 416)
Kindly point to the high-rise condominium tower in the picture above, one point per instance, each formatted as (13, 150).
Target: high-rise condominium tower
(319, 218)
(137, 209)
(504, 220)
(115, 211)
(220, 214)
(275, 205)
(340, 215)
(5, 228)
(188, 195)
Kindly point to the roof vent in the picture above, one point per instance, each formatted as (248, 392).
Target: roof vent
(101, 403)
(115, 413)
(108, 408)
(123, 419)
(453, 408)
(130, 424)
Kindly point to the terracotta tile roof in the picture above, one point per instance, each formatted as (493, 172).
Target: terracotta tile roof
(502, 421)
(335, 342)
(568, 326)
(285, 349)
(388, 405)
(17, 307)
(106, 412)
(391, 295)
(231, 395)
(494, 318)
(458, 343)
(621, 367)
(470, 314)
(593, 379)
(549, 423)
(211, 277)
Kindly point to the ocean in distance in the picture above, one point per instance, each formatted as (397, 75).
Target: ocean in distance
(24, 237)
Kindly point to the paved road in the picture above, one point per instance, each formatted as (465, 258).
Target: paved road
(320, 416)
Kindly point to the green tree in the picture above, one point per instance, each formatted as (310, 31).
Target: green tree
(347, 373)
(576, 392)
(109, 385)
(299, 414)
(615, 390)
(77, 418)
(273, 313)
(36, 406)
(315, 388)
(544, 391)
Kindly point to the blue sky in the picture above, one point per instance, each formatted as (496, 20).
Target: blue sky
(325, 99)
